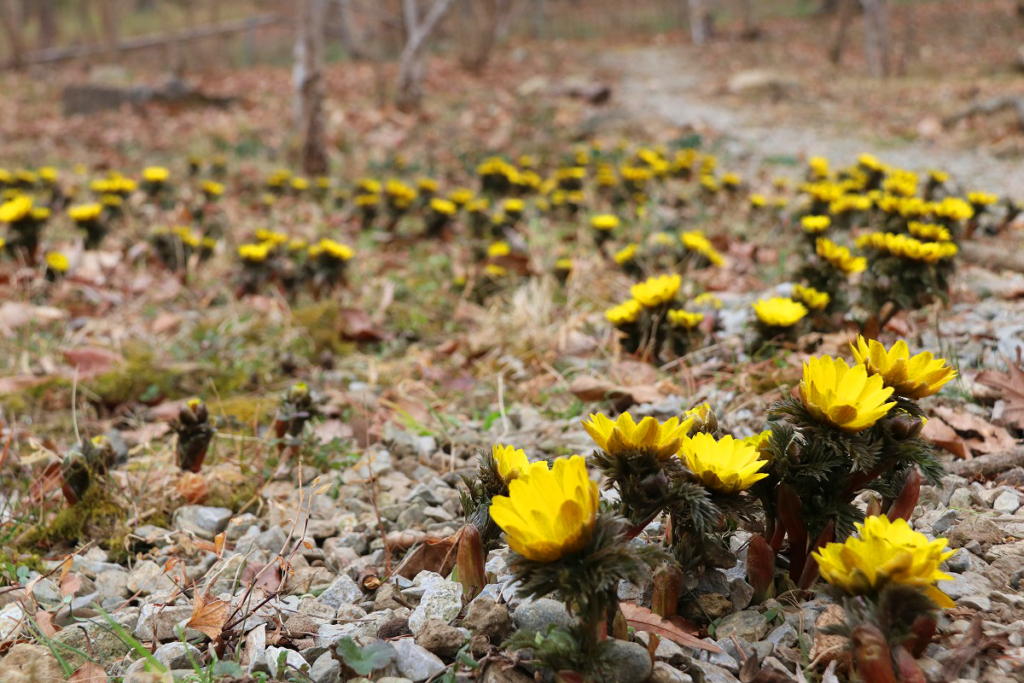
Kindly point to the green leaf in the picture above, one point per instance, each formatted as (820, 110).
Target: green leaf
(227, 668)
(364, 660)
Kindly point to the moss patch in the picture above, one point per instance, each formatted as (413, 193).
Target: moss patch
(96, 517)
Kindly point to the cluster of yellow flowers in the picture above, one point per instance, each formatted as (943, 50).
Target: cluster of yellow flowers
(779, 311)
(903, 246)
(656, 291)
(839, 256)
(695, 241)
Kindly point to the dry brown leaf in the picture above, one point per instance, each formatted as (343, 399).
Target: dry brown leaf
(1011, 384)
(193, 488)
(981, 435)
(355, 325)
(14, 314)
(69, 583)
(643, 619)
(269, 581)
(16, 383)
(90, 361)
(166, 323)
(593, 389)
(89, 673)
(46, 625)
(433, 555)
(941, 434)
(208, 615)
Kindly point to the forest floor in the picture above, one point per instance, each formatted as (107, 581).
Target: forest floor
(260, 567)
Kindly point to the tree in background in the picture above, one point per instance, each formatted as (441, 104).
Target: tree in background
(309, 95)
(410, 66)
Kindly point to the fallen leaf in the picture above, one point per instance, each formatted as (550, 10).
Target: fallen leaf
(980, 435)
(90, 361)
(46, 625)
(10, 385)
(436, 555)
(70, 583)
(643, 619)
(593, 389)
(89, 673)
(1011, 384)
(355, 325)
(166, 322)
(328, 430)
(942, 435)
(14, 314)
(193, 488)
(269, 581)
(208, 616)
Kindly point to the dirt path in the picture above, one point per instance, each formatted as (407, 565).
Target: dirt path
(660, 81)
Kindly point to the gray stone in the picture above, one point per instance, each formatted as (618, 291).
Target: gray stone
(962, 498)
(487, 618)
(177, 655)
(339, 554)
(326, 669)
(714, 674)
(112, 584)
(11, 619)
(741, 594)
(967, 583)
(438, 637)
(256, 650)
(160, 622)
(414, 662)
(747, 625)
(538, 615)
(784, 635)
(629, 662)
(663, 673)
(95, 637)
(979, 602)
(47, 592)
(280, 660)
(205, 522)
(272, 540)
(442, 599)
(959, 562)
(27, 663)
(342, 591)
(943, 522)
(724, 659)
(1006, 502)
(667, 650)
(148, 578)
(371, 464)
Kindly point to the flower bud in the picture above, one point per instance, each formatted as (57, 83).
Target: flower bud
(906, 426)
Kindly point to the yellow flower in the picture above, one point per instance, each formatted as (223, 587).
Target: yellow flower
(548, 514)
(656, 291)
(461, 196)
(336, 250)
(839, 257)
(814, 225)
(779, 311)
(982, 198)
(885, 552)
(443, 206)
(731, 180)
(909, 376)
(954, 209)
(512, 463)
(300, 184)
(563, 264)
(254, 253)
(513, 206)
(604, 221)
(369, 186)
(903, 246)
(85, 213)
(625, 313)
(366, 200)
(707, 299)
(811, 297)
(498, 249)
(759, 441)
(842, 396)
(929, 231)
(626, 254)
(818, 166)
(155, 174)
(694, 240)
(16, 209)
(623, 435)
(48, 174)
(493, 270)
(758, 201)
(40, 213)
(212, 188)
(272, 236)
(727, 465)
(685, 319)
(57, 262)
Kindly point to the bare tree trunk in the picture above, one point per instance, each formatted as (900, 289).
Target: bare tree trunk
(110, 11)
(46, 10)
(14, 25)
(309, 66)
(702, 21)
(484, 23)
(539, 16)
(909, 39)
(410, 70)
(876, 36)
(348, 38)
(750, 28)
(847, 9)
